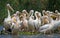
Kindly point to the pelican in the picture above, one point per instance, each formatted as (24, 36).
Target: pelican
(31, 21)
(18, 20)
(7, 21)
(37, 21)
(57, 25)
(24, 21)
(25, 13)
(45, 18)
(48, 27)
(15, 24)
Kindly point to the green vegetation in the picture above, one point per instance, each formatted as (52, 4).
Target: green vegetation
(28, 5)
(28, 33)
(20, 33)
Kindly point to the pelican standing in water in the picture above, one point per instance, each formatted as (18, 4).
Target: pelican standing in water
(7, 21)
(15, 24)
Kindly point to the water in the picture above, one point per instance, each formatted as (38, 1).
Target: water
(29, 36)
(1, 27)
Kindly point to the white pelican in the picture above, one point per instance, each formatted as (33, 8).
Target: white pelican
(18, 20)
(57, 25)
(15, 24)
(25, 13)
(31, 21)
(14, 21)
(45, 18)
(24, 22)
(7, 22)
(49, 26)
(37, 21)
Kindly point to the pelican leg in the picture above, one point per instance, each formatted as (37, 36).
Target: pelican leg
(50, 31)
(59, 29)
(45, 33)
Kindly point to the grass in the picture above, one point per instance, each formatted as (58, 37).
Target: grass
(28, 33)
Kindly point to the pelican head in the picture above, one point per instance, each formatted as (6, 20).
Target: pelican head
(14, 15)
(17, 12)
(36, 12)
(8, 4)
(56, 11)
(43, 11)
(32, 11)
(47, 13)
(24, 11)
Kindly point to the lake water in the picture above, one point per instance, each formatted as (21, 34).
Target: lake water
(1, 27)
(29, 36)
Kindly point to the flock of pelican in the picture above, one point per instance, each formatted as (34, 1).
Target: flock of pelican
(33, 21)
